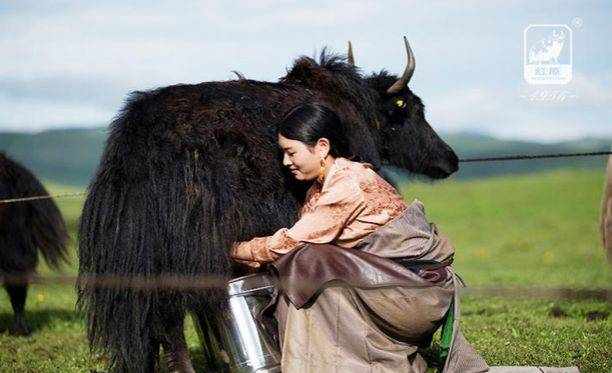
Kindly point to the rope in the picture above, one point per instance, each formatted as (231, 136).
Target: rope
(194, 283)
(527, 156)
(465, 160)
(64, 195)
(174, 282)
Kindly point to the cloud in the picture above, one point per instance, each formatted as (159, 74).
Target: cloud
(509, 114)
(591, 91)
(72, 89)
(58, 55)
(36, 115)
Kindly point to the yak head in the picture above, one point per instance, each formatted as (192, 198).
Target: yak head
(404, 137)
(385, 120)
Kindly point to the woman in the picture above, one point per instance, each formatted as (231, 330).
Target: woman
(354, 229)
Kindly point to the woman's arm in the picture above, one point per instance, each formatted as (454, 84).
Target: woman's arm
(340, 202)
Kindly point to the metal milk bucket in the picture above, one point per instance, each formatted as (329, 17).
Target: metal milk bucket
(248, 344)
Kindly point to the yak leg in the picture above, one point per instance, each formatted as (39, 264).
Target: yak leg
(216, 359)
(152, 357)
(175, 347)
(17, 293)
(150, 362)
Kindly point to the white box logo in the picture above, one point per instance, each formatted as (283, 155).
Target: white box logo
(547, 54)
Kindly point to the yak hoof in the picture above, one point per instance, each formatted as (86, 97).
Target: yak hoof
(20, 329)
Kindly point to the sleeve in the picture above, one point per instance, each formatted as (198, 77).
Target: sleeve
(340, 202)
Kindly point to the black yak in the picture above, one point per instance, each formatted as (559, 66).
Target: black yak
(188, 170)
(26, 228)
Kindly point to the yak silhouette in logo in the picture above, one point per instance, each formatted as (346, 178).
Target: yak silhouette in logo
(548, 49)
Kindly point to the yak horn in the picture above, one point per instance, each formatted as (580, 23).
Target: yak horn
(351, 58)
(239, 75)
(405, 79)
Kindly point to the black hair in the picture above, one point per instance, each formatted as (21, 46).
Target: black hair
(309, 122)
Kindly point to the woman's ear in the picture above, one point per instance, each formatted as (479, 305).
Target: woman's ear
(323, 147)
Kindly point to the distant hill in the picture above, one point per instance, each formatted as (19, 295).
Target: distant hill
(471, 145)
(67, 156)
(70, 156)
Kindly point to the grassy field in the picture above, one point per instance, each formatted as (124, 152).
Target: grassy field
(522, 232)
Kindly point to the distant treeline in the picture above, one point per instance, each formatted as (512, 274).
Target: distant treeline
(70, 156)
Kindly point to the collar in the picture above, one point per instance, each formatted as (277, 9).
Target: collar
(339, 163)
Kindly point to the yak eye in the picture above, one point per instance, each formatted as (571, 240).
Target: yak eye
(400, 103)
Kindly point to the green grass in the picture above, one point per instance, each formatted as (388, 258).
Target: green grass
(540, 229)
(528, 231)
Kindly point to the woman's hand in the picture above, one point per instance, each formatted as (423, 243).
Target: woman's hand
(248, 263)
(242, 252)
(252, 251)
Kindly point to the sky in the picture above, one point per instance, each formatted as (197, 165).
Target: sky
(73, 63)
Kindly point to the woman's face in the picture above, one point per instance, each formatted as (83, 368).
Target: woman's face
(304, 161)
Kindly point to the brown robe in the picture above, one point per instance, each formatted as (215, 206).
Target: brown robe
(379, 322)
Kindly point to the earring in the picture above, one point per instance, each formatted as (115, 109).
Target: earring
(321, 176)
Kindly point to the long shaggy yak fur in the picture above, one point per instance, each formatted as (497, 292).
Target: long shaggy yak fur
(187, 171)
(27, 228)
